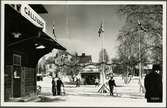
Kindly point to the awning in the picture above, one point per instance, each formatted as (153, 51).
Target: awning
(23, 36)
(47, 40)
(15, 23)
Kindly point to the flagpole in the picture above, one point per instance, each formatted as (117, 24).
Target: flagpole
(103, 54)
(101, 36)
(103, 86)
(54, 29)
(102, 62)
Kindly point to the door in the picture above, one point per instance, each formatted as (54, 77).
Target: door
(16, 75)
(90, 78)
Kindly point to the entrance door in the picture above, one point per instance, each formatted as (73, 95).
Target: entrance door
(90, 78)
(16, 75)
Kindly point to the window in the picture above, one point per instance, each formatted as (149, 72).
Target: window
(16, 59)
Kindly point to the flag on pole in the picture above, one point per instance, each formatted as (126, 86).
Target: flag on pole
(141, 26)
(54, 31)
(101, 30)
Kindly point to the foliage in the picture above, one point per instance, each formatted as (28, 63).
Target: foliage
(62, 61)
(118, 69)
(144, 25)
(73, 68)
(141, 36)
(41, 65)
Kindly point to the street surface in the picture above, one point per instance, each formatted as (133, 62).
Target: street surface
(87, 95)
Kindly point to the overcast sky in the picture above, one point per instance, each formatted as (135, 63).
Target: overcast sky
(76, 27)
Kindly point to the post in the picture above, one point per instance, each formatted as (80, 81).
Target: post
(102, 60)
(103, 87)
(140, 63)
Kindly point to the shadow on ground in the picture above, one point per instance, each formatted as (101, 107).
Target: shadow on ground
(48, 99)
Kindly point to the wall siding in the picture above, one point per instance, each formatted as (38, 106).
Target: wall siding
(8, 82)
(30, 85)
(28, 82)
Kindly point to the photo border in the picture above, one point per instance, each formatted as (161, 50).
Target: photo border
(28, 104)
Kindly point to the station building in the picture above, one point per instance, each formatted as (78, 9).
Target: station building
(26, 41)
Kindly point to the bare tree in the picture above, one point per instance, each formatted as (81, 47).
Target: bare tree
(144, 24)
(141, 36)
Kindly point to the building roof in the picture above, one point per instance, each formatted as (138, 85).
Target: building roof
(30, 39)
(85, 58)
(27, 32)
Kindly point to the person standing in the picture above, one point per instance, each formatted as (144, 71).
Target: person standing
(96, 82)
(153, 85)
(53, 86)
(59, 84)
(111, 83)
(77, 82)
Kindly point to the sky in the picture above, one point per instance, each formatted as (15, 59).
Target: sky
(76, 28)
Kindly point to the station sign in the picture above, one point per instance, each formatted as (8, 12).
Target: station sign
(26, 11)
(32, 16)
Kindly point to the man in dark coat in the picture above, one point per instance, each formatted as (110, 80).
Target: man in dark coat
(77, 82)
(59, 84)
(53, 86)
(111, 83)
(153, 85)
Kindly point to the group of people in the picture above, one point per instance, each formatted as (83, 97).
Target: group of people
(152, 84)
(56, 86)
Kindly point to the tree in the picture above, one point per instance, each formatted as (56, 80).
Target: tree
(41, 65)
(144, 24)
(64, 64)
(116, 67)
(74, 67)
(141, 36)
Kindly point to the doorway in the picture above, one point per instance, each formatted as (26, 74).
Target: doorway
(90, 78)
(16, 75)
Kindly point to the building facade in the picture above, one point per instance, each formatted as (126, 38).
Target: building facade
(89, 72)
(26, 41)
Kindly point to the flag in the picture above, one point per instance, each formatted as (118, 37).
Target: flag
(54, 31)
(141, 26)
(101, 29)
